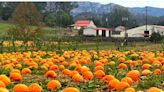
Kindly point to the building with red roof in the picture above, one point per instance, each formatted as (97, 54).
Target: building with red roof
(84, 23)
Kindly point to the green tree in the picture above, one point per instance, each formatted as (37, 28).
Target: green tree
(60, 19)
(155, 37)
(24, 17)
(114, 18)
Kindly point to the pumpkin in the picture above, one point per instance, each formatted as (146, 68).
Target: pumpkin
(66, 72)
(121, 59)
(77, 78)
(107, 78)
(51, 74)
(5, 79)
(15, 76)
(54, 67)
(2, 84)
(134, 74)
(3, 89)
(146, 66)
(111, 63)
(154, 89)
(146, 72)
(99, 68)
(61, 67)
(99, 74)
(53, 84)
(70, 89)
(15, 71)
(128, 80)
(122, 85)
(129, 89)
(20, 88)
(113, 83)
(35, 88)
(157, 71)
(26, 71)
(88, 75)
(122, 66)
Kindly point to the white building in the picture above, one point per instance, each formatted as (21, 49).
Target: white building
(141, 31)
(104, 32)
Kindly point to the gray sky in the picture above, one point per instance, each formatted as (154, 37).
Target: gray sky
(128, 3)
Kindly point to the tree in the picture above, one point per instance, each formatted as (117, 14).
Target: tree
(155, 37)
(114, 18)
(60, 19)
(25, 16)
(6, 9)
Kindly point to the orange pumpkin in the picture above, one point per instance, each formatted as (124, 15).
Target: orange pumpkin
(54, 67)
(121, 59)
(157, 71)
(107, 78)
(146, 66)
(128, 80)
(122, 85)
(130, 89)
(3, 89)
(99, 74)
(134, 74)
(15, 76)
(61, 67)
(53, 85)
(66, 72)
(122, 66)
(113, 83)
(20, 88)
(26, 71)
(35, 88)
(51, 74)
(88, 75)
(77, 78)
(5, 79)
(70, 89)
(146, 72)
(154, 89)
(2, 84)
(99, 68)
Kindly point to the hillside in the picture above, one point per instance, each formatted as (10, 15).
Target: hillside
(98, 8)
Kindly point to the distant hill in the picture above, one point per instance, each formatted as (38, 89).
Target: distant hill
(98, 8)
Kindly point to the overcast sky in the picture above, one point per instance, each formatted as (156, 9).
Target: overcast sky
(129, 3)
(126, 3)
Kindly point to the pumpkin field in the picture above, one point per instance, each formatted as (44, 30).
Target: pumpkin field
(82, 71)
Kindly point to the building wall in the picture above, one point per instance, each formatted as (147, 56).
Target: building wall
(89, 32)
(139, 31)
(100, 32)
(92, 25)
(107, 33)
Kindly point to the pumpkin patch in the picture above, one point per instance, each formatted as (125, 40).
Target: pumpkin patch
(82, 71)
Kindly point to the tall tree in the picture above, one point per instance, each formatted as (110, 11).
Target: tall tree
(26, 14)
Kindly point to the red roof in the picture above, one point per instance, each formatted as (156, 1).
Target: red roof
(83, 23)
(102, 28)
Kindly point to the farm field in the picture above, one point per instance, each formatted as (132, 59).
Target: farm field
(82, 71)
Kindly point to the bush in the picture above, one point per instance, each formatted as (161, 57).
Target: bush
(155, 37)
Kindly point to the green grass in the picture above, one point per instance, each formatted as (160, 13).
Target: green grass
(49, 32)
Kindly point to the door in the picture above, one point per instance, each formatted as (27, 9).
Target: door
(103, 33)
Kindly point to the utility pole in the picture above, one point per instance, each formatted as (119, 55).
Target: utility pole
(146, 18)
